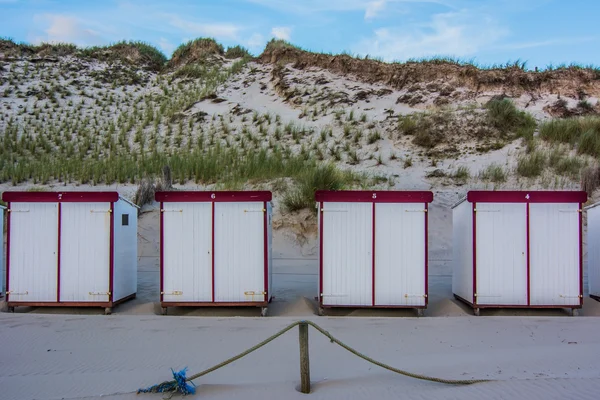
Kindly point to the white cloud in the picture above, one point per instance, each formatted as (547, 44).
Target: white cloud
(458, 34)
(166, 46)
(64, 28)
(544, 43)
(281, 32)
(216, 30)
(373, 8)
(255, 42)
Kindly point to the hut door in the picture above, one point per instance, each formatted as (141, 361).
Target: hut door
(33, 252)
(187, 252)
(85, 252)
(347, 254)
(400, 254)
(501, 244)
(554, 248)
(240, 252)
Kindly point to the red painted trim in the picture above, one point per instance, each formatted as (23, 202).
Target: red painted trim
(520, 197)
(60, 197)
(321, 254)
(111, 265)
(211, 304)
(375, 307)
(581, 254)
(266, 250)
(162, 251)
(58, 252)
(8, 251)
(474, 254)
(426, 254)
(373, 264)
(205, 196)
(363, 196)
(528, 259)
(213, 251)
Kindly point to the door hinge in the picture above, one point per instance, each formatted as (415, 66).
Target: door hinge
(261, 210)
(99, 293)
(570, 297)
(10, 210)
(101, 211)
(162, 210)
(253, 293)
(406, 295)
(173, 293)
(415, 210)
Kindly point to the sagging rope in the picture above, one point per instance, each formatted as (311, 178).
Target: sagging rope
(180, 382)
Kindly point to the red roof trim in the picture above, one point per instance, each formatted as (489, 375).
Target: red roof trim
(206, 196)
(365, 196)
(527, 197)
(60, 197)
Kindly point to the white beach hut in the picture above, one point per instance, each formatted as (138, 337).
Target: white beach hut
(215, 249)
(593, 250)
(518, 249)
(373, 249)
(74, 249)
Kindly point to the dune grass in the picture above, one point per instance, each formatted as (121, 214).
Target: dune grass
(317, 177)
(582, 133)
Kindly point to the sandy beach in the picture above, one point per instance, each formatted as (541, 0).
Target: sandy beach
(77, 357)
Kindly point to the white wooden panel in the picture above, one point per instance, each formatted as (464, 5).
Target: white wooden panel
(347, 254)
(593, 250)
(501, 253)
(85, 252)
(270, 247)
(554, 254)
(187, 252)
(462, 250)
(239, 252)
(399, 254)
(33, 252)
(125, 250)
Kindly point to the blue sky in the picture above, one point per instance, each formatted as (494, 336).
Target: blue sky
(542, 32)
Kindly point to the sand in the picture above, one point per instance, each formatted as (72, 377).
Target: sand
(58, 357)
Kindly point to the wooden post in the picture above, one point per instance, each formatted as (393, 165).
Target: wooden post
(304, 362)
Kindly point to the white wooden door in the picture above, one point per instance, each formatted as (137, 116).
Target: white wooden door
(187, 252)
(501, 243)
(85, 252)
(33, 252)
(400, 254)
(554, 246)
(240, 252)
(347, 254)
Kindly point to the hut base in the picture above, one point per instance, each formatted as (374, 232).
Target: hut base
(107, 305)
(419, 309)
(574, 309)
(262, 304)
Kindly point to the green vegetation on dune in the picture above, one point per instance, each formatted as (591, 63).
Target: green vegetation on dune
(583, 133)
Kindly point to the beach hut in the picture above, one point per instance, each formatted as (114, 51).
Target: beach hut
(75, 249)
(215, 249)
(2, 208)
(373, 249)
(518, 249)
(593, 250)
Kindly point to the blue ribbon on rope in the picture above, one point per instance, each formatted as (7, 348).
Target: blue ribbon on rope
(178, 385)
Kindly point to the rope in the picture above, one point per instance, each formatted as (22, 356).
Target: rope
(179, 383)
